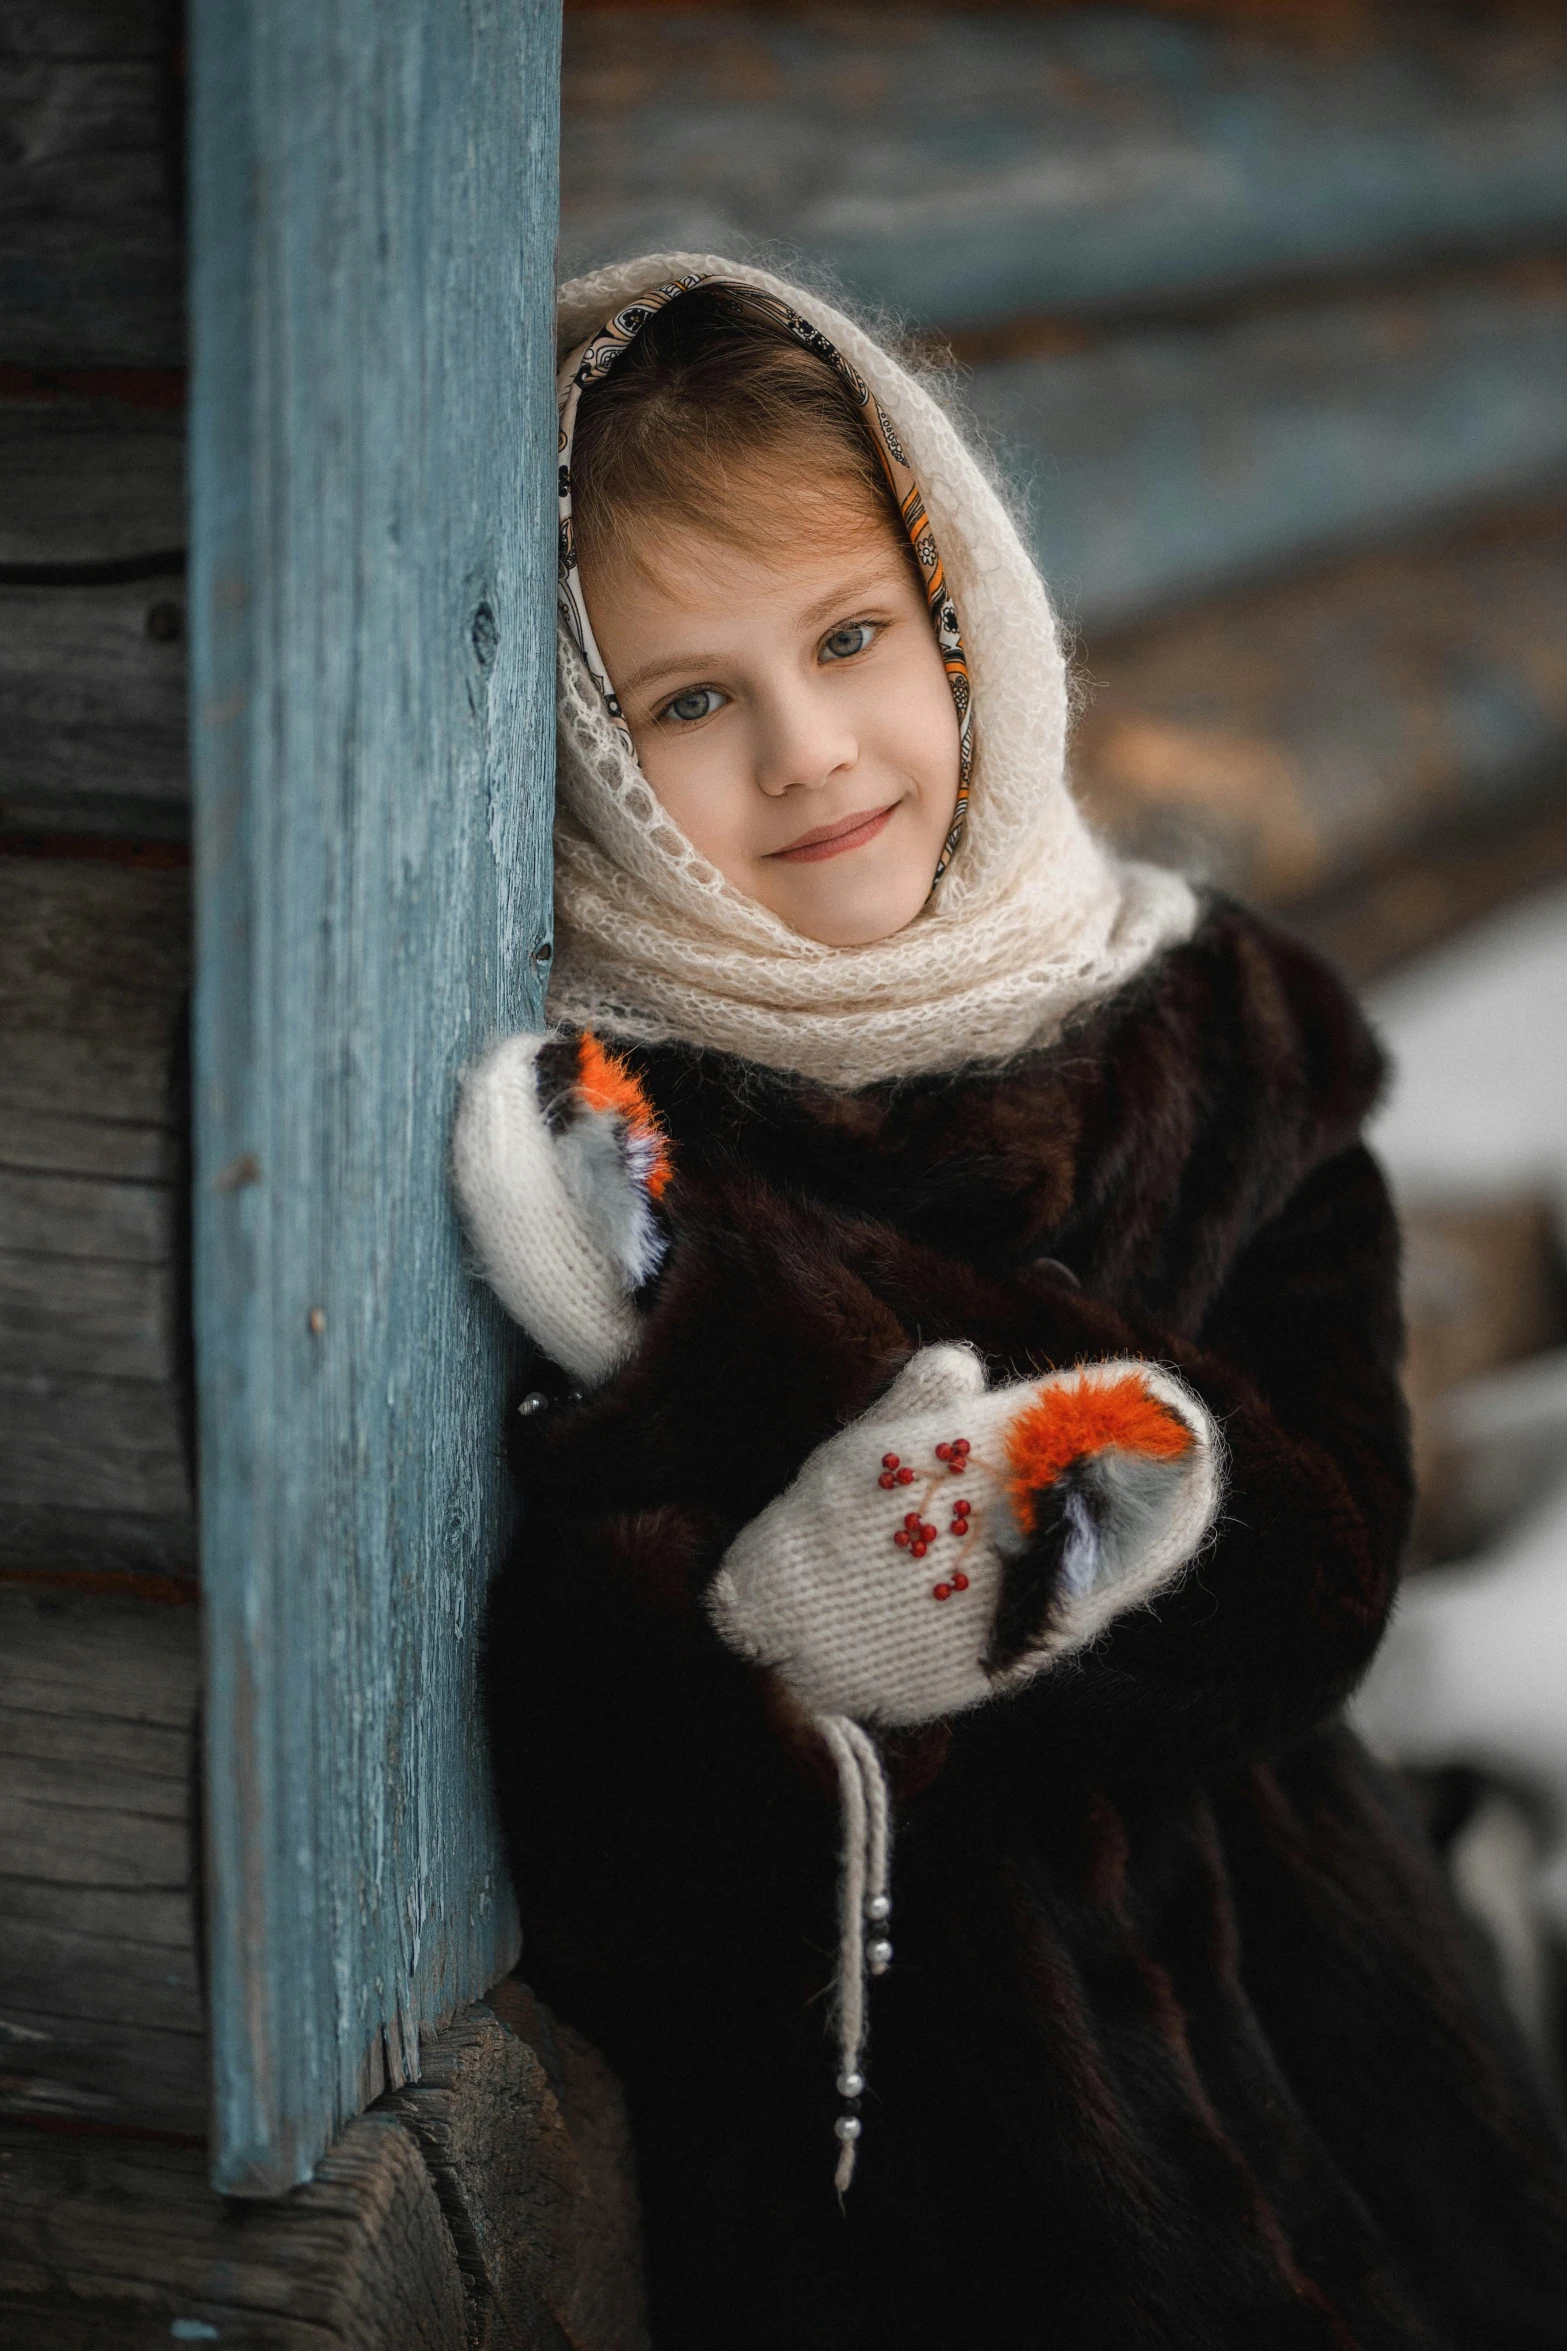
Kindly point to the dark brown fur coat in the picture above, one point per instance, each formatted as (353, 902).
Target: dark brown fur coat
(1179, 2047)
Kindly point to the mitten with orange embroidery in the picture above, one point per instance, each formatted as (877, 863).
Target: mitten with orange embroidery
(559, 1167)
(957, 1540)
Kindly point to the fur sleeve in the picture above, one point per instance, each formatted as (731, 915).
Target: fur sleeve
(1298, 1363)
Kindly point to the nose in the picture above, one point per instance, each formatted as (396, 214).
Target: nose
(804, 740)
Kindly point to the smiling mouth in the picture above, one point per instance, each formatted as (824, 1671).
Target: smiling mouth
(831, 840)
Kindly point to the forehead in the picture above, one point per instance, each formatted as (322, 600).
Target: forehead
(675, 572)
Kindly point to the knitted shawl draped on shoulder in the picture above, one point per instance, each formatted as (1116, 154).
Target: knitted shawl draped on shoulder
(1034, 918)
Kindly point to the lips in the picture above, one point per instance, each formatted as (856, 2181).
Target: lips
(832, 840)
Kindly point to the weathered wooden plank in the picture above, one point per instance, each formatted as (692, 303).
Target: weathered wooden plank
(1284, 741)
(75, 1782)
(78, 1316)
(524, 2148)
(97, 1660)
(52, 1970)
(595, 2287)
(98, 1547)
(372, 707)
(1160, 465)
(90, 1063)
(90, 246)
(971, 165)
(495, 2141)
(76, 1217)
(101, 2071)
(524, 2130)
(94, 963)
(100, 1994)
(89, 481)
(110, 1445)
(126, 2245)
(126, 1920)
(93, 683)
(59, 1143)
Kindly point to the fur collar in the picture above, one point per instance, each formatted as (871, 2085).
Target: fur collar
(1139, 1152)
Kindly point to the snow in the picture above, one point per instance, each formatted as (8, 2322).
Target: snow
(1478, 1035)
(1474, 1667)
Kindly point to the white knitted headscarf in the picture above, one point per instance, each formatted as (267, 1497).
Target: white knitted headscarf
(1034, 917)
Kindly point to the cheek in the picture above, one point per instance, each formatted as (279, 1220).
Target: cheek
(694, 778)
(917, 725)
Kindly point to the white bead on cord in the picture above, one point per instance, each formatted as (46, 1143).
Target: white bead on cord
(863, 1900)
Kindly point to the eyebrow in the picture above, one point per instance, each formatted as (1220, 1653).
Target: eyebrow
(835, 599)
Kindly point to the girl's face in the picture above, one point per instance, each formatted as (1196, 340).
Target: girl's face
(791, 711)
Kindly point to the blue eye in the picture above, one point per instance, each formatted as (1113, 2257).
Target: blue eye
(852, 638)
(696, 702)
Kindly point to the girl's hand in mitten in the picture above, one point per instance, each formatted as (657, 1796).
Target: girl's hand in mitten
(956, 1540)
(559, 1165)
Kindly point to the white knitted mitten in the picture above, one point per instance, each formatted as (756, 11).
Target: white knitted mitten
(557, 1163)
(954, 1541)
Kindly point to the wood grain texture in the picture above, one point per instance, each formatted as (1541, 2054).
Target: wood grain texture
(1283, 742)
(92, 679)
(89, 481)
(525, 2134)
(979, 163)
(1165, 464)
(101, 2004)
(492, 2205)
(123, 2245)
(94, 1471)
(596, 2289)
(372, 616)
(94, 963)
(91, 263)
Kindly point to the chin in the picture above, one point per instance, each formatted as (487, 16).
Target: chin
(857, 922)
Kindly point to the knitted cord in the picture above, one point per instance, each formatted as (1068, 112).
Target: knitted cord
(863, 1898)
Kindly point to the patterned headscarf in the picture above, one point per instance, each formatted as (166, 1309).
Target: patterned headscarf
(594, 360)
(1034, 918)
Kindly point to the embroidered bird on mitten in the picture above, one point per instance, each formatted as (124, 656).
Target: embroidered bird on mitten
(957, 1539)
(559, 1166)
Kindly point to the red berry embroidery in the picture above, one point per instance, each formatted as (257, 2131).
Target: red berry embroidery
(905, 1477)
(960, 1582)
(942, 1592)
(889, 1461)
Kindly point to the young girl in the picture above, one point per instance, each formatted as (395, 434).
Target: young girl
(967, 1469)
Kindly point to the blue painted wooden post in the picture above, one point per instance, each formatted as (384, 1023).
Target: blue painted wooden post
(374, 194)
